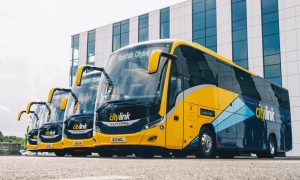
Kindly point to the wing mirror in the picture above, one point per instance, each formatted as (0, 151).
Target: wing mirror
(20, 115)
(63, 104)
(80, 71)
(154, 60)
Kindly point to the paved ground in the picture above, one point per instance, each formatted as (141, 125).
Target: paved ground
(17, 167)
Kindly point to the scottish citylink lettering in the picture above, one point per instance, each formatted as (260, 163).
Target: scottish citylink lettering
(265, 113)
(120, 117)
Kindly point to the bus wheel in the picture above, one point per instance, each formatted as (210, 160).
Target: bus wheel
(207, 143)
(271, 152)
(60, 153)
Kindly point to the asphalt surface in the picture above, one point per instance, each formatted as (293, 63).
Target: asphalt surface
(38, 167)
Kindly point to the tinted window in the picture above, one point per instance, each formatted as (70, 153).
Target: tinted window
(196, 66)
(239, 33)
(143, 27)
(120, 36)
(204, 23)
(271, 41)
(165, 23)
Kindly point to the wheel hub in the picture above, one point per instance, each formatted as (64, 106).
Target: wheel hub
(206, 142)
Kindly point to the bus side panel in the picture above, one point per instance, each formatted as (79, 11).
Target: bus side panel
(205, 105)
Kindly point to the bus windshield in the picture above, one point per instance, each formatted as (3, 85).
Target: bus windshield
(126, 76)
(56, 115)
(33, 124)
(86, 94)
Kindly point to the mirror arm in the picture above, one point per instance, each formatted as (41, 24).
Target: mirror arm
(45, 104)
(168, 55)
(101, 70)
(32, 112)
(67, 90)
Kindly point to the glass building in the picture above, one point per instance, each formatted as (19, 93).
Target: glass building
(262, 36)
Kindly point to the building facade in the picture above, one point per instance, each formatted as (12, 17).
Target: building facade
(260, 35)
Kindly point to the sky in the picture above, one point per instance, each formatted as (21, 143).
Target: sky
(35, 41)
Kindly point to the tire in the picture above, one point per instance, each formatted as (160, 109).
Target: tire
(60, 153)
(206, 144)
(272, 149)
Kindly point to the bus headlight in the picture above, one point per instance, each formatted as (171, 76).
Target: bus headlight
(154, 123)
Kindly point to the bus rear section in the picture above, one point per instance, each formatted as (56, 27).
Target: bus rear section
(181, 98)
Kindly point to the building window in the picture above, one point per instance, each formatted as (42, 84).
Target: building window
(239, 32)
(165, 23)
(120, 34)
(143, 28)
(74, 58)
(204, 23)
(271, 41)
(91, 47)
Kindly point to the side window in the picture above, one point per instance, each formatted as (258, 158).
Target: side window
(244, 84)
(197, 67)
(175, 85)
(225, 76)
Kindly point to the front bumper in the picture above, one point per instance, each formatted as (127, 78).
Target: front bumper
(78, 143)
(32, 147)
(150, 137)
(50, 146)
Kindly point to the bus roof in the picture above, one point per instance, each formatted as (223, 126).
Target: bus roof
(177, 42)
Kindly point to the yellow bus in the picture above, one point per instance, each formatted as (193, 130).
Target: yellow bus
(79, 114)
(170, 96)
(51, 123)
(32, 128)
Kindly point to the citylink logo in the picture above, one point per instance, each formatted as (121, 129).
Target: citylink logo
(34, 137)
(120, 117)
(264, 113)
(79, 126)
(50, 133)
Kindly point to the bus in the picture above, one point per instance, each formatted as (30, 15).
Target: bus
(182, 98)
(79, 115)
(50, 127)
(32, 128)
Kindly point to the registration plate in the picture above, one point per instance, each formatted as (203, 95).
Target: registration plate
(78, 143)
(48, 146)
(118, 139)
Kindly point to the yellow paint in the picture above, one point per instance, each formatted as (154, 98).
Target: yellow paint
(79, 73)
(139, 138)
(63, 104)
(154, 61)
(20, 114)
(28, 107)
(50, 95)
(31, 147)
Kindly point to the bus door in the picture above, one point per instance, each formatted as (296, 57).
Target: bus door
(175, 116)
